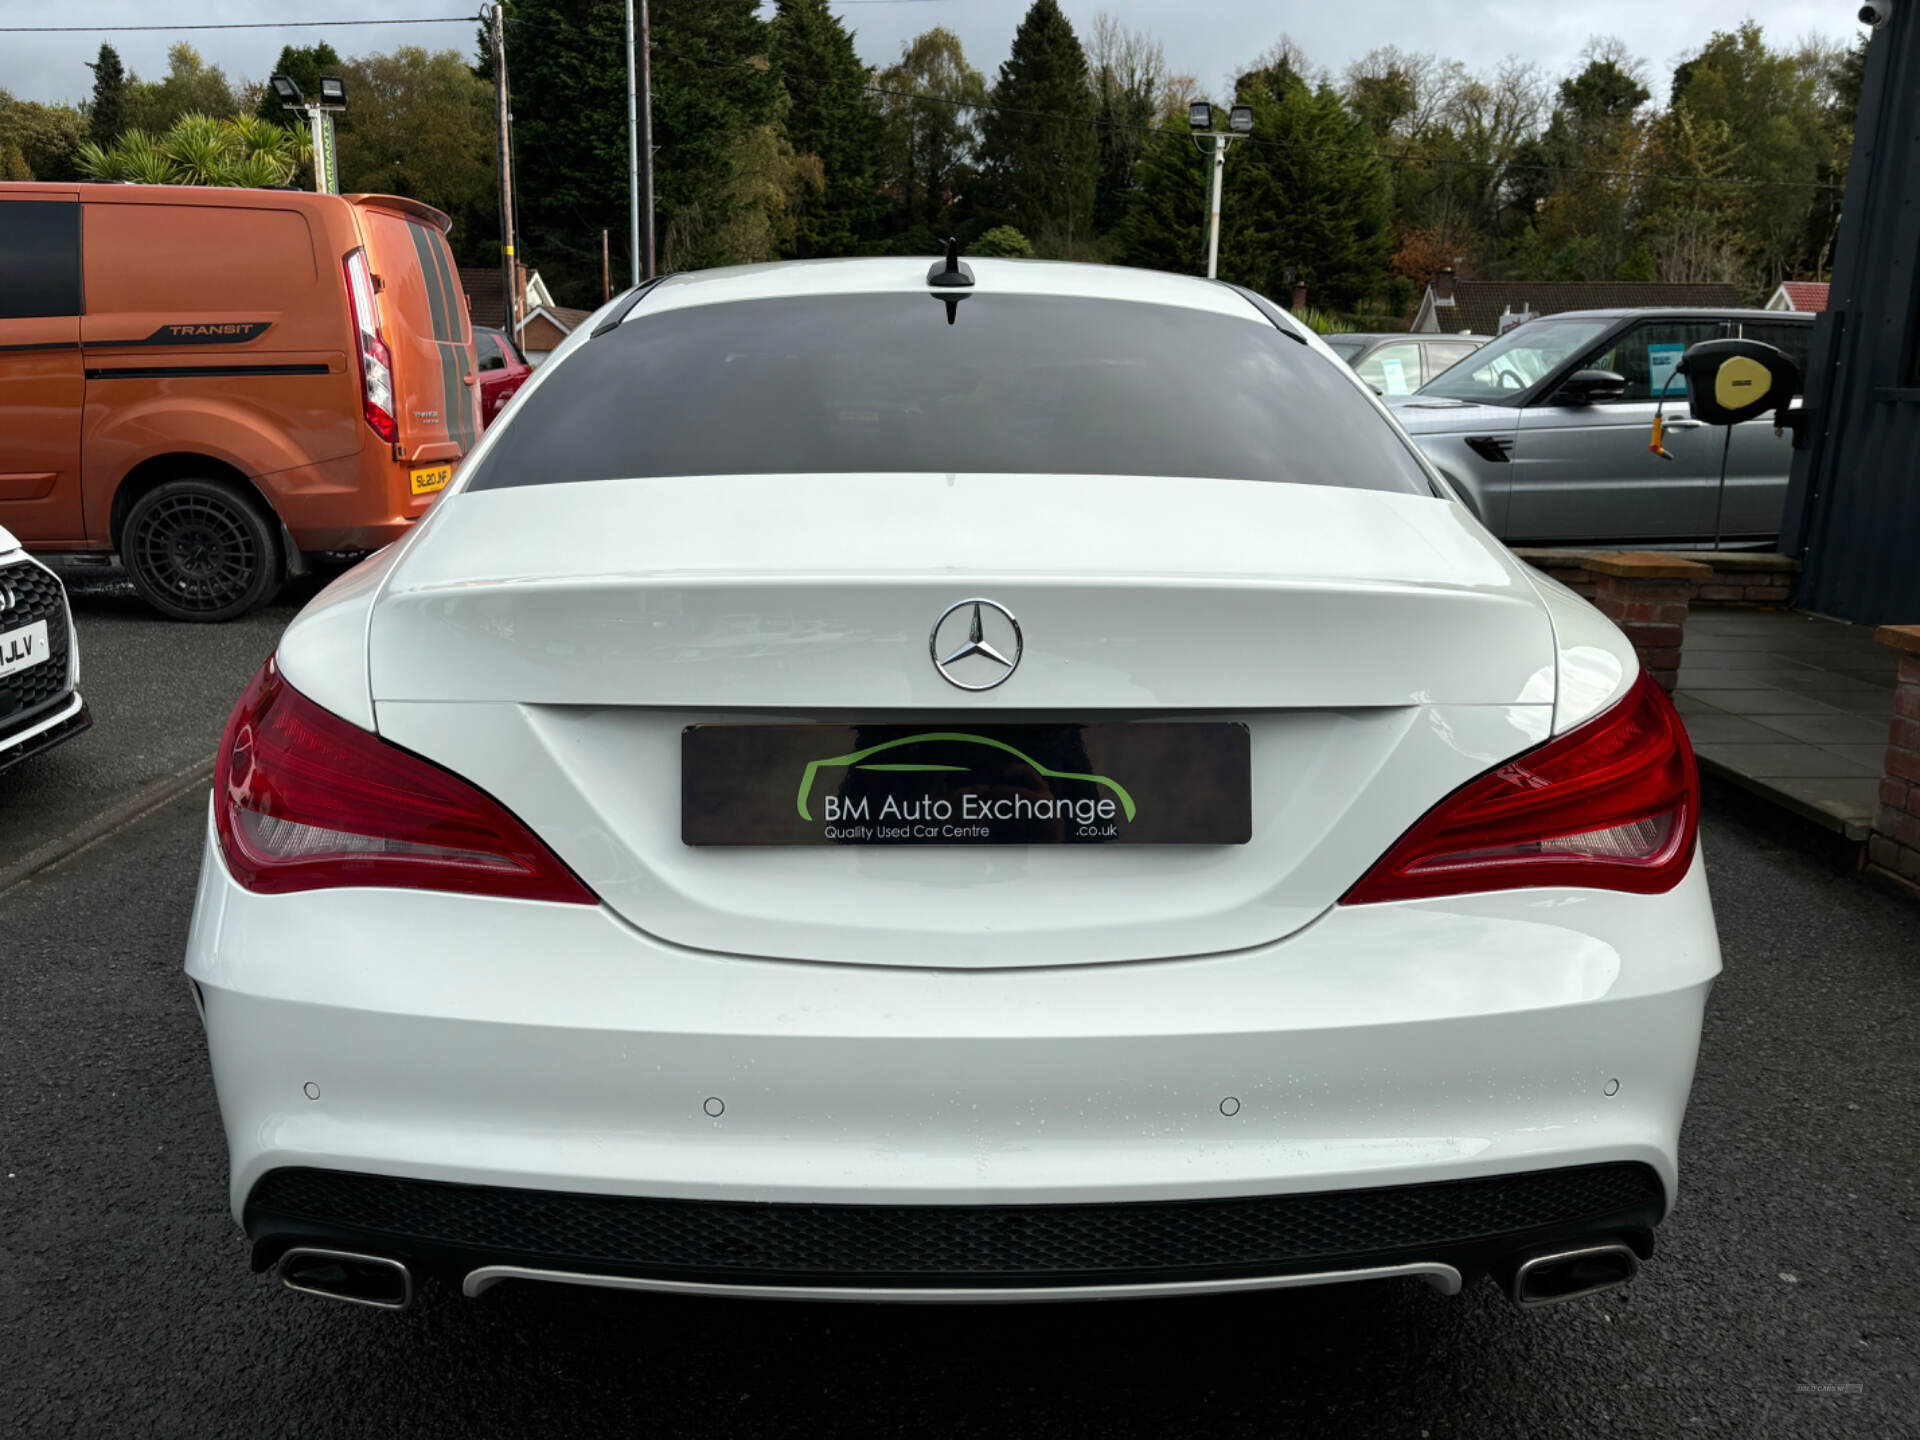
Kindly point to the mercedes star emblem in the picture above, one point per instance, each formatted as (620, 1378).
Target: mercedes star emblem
(976, 663)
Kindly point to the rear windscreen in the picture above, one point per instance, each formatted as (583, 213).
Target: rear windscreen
(1015, 384)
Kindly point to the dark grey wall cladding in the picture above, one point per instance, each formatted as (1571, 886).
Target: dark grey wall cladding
(1853, 510)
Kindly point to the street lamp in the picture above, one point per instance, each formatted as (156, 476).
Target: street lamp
(320, 111)
(1239, 127)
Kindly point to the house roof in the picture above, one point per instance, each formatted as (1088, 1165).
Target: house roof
(485, 294)
(563, 318)
(1479, 304)
(1807, 295)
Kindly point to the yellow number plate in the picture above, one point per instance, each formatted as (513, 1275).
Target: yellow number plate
(431, 478)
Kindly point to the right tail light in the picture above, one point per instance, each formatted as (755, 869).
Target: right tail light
(376, 360)
(1613, 804)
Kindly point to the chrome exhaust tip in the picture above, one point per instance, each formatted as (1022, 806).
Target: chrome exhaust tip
(1557, 1275)
(342, 1275)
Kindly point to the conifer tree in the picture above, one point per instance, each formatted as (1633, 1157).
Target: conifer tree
(1041, 147)
(831, 116)
(107, 116)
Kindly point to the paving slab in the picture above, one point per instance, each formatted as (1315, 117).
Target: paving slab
(1794, 708)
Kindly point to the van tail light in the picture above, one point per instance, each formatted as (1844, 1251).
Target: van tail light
(376, 360)
(1613, 804)
(303, 800)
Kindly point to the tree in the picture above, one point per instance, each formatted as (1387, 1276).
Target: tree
(928, 103)
(754, 216)
(1003, 241)
(1307, 199)
(39, 142)
(1130, 83)
(831, 117)
(107, 115)
(1040, 148)
(304, 65)
(422, 125)
(1768, 103)
(1575, 178)
(191, 87)
(712, 84)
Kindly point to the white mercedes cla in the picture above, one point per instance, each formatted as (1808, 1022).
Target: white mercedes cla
(1009, 782)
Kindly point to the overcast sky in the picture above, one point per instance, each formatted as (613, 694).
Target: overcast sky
(1210, 39)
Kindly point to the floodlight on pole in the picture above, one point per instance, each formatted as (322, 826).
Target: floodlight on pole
(1239, 127)
(319, 111)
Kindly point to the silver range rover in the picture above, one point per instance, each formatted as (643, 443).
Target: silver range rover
(40, 702)
(1545, 432)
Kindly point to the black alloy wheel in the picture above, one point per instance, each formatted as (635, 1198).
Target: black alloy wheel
(199, 550)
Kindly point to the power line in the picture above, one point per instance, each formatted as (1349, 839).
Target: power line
(239, 25)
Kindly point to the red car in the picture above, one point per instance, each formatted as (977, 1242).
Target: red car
(502, 371)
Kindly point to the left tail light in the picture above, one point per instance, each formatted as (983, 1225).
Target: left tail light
(376, 360)
(1613, 804)
(305, 801)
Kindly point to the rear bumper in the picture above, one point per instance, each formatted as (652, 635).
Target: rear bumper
(355, 503)
(528, 1049)
(473, 1236)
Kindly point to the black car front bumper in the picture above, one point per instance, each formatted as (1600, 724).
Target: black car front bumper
(14, 751)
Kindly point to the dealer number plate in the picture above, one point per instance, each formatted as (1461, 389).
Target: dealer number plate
(966, 784)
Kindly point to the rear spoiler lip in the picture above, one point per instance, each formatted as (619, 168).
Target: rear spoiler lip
(400, 204)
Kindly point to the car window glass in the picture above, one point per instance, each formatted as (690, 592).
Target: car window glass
(39, 259)
(1015, 384)
(1346, 349)
(1794, 337)
(489, 350)
(1442, 354)
(1392, 369)
(1500, 372)
(1648, 355)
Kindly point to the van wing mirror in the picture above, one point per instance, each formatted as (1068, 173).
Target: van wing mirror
(1729, 381)
(1584, 387)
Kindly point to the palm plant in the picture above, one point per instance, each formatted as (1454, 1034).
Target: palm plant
(143, 161)
(97, 163)
(201, 150)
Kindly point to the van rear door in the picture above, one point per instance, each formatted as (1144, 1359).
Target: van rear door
(423, 315)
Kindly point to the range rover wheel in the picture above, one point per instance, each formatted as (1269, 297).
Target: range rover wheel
(201, 550)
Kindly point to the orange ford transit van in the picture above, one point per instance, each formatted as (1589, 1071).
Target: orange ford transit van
(212, 381)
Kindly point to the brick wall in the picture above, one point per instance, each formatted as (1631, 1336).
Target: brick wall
(1743, 578)
(1647, 596)
(1760, 581)
(1895, 846)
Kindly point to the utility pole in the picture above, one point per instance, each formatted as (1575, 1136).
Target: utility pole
(606, 270)
(646, 144)
(507, 260)
(633, 159)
